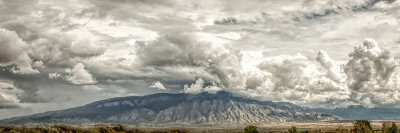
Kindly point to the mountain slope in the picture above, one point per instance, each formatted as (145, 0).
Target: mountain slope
(360, 112)
(203, 108)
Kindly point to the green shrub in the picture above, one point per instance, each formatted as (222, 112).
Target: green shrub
(393, 128)
(362, 126)
(251, 129)
(293, 129)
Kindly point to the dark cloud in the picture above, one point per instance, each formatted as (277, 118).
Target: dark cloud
(5, 106)
(183, 49)
(30, 94)
(226, 21)
(8, 88)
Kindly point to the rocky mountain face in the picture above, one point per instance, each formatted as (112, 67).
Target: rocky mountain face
(187, 109)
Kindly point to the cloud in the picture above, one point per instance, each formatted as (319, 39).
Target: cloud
(7, 104)
(221, 63)
(373, 75)
(370, 68)
(8, 96)
(203, 45)
(370, 77)
(79, 76)
(199, 87)
(29, 93)
(334, 70)
(13, 52)
(158, 85)
(297, 79)
(54, 75)
(86, 44)
(38, 64)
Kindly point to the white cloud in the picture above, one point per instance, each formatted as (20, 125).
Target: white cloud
(199, 87)
(78, 75)
(38, 64)
(371, 77)
(9, 95)
(334, 70)
(298, 79)
(158, 85)
(370, 68)
(194, 88)
(13, 52)
(54, 75)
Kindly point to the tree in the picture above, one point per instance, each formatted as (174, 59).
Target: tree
(393, 129)
(385, 127)
(388, 127)
(362, 126)
(251, 129)
(293, 129)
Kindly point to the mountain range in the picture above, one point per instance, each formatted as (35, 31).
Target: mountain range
(221, 108)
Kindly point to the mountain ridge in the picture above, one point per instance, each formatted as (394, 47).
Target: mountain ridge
(166, 108)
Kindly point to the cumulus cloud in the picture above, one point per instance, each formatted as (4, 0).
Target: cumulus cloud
(199, 86)
(298, 79)
(13, 52)
(370, 77)
(221, 63)
(54, 75)
(334, 70)
(373, 75)
(158, 85)
(38, 64)
(79, 75)
(371, 68)
(258, 80)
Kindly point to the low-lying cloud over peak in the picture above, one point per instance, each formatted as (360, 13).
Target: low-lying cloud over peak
(158, 85)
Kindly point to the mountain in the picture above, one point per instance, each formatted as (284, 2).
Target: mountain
(358, 112)
(183, 109)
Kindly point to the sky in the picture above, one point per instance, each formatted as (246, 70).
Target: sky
(57, 54)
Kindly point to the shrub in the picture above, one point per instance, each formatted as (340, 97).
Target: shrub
(392, 129)
(341, 129)
(362, 126)
(251, 129)
(293, 129)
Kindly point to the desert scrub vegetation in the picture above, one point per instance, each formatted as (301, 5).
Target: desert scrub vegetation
(71, 129)
(388, 127)
(251, 129)
(359, 126)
